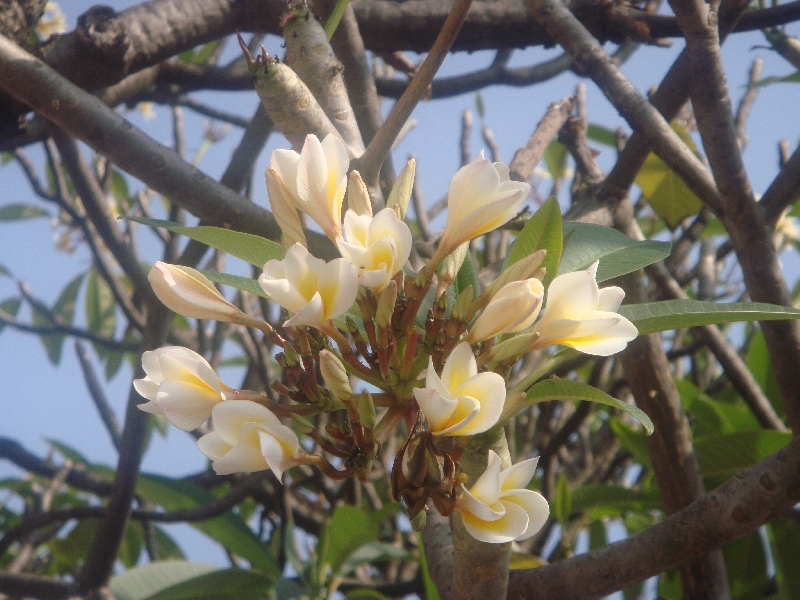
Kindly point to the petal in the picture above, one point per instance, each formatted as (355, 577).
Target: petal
(608, 342)
(467, 410)
(213, 446)
(279, 450)
(535, 507)
(375, 280)
(386, 224)
(432, 381)
(459, 366)
(146, 387)
(282, 292)
(483, 219)
(312, 314)
(338, 287)
(471, 186)
(245, 456)
(353, 252)
(571, 296)
(356, 228)
(229, 418)
(151, 365)
(186, 406)
(285, 164)
(610, 299)
(519, 475)
(150, 407)
(177, 365)
(506, 529)
(562, 330)
(487, 487)
(436, 408)
(605, 335)
(467, 503)
(489, 391)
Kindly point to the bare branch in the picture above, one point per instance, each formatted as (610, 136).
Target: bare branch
(528, 157)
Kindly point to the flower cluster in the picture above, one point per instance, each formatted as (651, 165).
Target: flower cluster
(443, 369)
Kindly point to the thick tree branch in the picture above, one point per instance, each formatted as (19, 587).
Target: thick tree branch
(19, 585)
(740, 506)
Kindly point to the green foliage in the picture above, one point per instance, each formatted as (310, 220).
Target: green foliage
(199, 55)
(598, 501)
(562, 507)
(101, 314)
(467, 276)
(64, 311)
(543, 231)
(19, 212)
(240, 283)
(147, 581)
(746, 563)
(250, 248)
(11, 307)
(565, 389)
(723, 455)
(431, 591)
(618, 254)
(666, 193)
(601, 135)
(676, 314)
(784, 535)
(555, 157)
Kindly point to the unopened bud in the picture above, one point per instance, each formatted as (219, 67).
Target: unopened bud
(292, 358)
(284, 210)
(357, 195)
(418, 522)
(451, 265)
(462, 303)
(386, 302)
(302, 424)
(524, 268)
(366, 409)
(514, 308)
(516, 346)
(401, 192)
(335, 376)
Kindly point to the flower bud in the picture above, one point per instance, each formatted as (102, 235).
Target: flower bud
(335, 376)
(401, 192)
(516, 346)
(514, 308)
(386, 302)
(357, 195)
(188, 292)
(284, 210)
(419, 521)
(462, 303)
(302, 424)
(366, 409)
(451, 266)
(292, 358)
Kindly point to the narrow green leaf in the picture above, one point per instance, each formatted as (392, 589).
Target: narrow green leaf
(722, 456)
(555, 157)
(250, 248)
(240, 283)
(565, 389)
(19, 212)
(612, 500)
(229, 529)
(746, 564)
(468, 276)
(618, 254)
(101, 315)
(335, 18)
(677, 314)
(562, 507)
(64, 308)
(132, 543)
(166, 548)
(431, 591)
(10, 306)
(365, 594)
(199, 55)
(543, 231)
(785, 537)
(146, 581)
(233, 584)
(372, 553)
(793, 78)
(601, 135)
(479, 105)
(350, 528)
(4, 271)
(632, 440)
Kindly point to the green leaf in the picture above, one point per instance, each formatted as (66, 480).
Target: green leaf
(562, 507)
(746, 564)
(64, 308)
(793, 78)
(666, 193)
(468, 276)
(712, 416)
(68, 452)
(555, 157)
(365, 594)
(565, 389)
(479, 105)
(606, 500)
(351, 527)
(233, 584)
(240, 283)
(132, 543)
(722, 456)
(618, 254)
(250, 248)
(665, 315)
(19, 212)
(785, 537)
(199, 55)
(372, 553)
(166, 548)
(602, 135)
(146, 581)
(10, 306)
(760, 365)
(632, 440)
(4, 271)
(101, 315)
(543, 231)
(228, 529)
(431, 591)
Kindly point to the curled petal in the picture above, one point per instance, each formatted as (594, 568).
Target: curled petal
(459, 366)
(230, 417)
(507, 528)
(518, 475)
(535, 506)
(185, 405)
(489, 391)
(486, 488)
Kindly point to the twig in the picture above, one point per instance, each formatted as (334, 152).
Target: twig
(370, 162)
(746, 103)
(528, 157)
(98, 395)
(466, 133)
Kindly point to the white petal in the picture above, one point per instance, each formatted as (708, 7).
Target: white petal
(150, 407)
(146, 388)
(193, 369)
(506, 529)
(534, 505)
(312, 314)
(610, 299)
(213, 446)
(487, 487)
(374, 280)
(285, 164)
(338, 285)
(245, 456)
(282, 292)
(355, 253)
(151, 365)
(436, 408)
(459, 366)
(489, 390)
(571, 296)
(229, 417)
(356, 228)
(519, 475)
(278, 450)
(187, 406)
(467, 503)
(470, 187)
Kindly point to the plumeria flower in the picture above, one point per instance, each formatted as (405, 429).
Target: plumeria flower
(315, 180)
(188, 292)
(284, 210)
(315, 291)
(180, 385)
(378, 245)
(579, 315)
(481, 199)
(248, 437)
(461, 401)
(514, 308)
(498, 508)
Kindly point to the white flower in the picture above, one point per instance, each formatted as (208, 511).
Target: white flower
(284, 209)
(579, 315)
(180, 385)
(462, 401)
(315, 291)
(514, 308)
(498, 508)
(188, 292)
(248, 437)
(378, 245)
(316, 180)
(481, 199)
